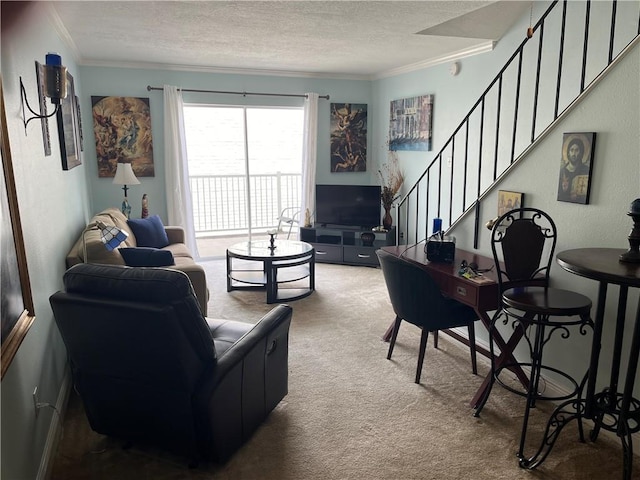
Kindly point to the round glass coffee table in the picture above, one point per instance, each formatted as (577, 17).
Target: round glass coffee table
(286, 271)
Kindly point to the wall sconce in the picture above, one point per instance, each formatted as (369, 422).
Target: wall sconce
(125, 176)
(55, 87)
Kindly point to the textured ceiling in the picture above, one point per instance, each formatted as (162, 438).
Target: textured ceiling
(330, 38)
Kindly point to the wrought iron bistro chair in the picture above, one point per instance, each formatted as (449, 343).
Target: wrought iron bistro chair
(524, 240)
(416, 298)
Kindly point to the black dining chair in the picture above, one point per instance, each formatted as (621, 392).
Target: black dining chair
(416, 298)
(523, 242)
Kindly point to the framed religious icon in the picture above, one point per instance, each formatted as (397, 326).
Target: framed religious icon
(508, 201)
(348, 137)
(122, 129)
(574, 181)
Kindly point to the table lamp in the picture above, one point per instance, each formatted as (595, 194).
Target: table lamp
(125, 176)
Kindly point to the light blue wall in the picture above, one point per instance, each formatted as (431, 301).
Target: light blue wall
(54, 206)
(100, 81)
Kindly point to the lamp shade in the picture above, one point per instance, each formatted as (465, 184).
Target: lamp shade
(124, 175)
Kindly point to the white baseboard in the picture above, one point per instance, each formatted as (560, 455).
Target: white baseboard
(55, 428)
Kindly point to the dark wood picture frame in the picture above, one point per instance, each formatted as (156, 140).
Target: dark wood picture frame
(17, 301)
(68, 128)
(576, 165)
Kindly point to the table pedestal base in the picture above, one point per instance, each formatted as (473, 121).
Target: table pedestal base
(607, 417)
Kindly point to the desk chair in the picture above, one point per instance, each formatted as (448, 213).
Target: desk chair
(417, 299)
(524, 240)
(289, 215)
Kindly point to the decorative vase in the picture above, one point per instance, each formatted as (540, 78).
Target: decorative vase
(367, 239)
(387, 220)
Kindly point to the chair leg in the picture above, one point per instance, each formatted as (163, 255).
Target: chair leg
(435, 339)
(394, 335)
(492, 374)
(423, 347)
(472, 347)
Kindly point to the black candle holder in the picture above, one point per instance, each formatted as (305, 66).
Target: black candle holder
(272, 245)
(633, 254)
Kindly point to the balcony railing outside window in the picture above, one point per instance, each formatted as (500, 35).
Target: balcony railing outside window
(219, 201)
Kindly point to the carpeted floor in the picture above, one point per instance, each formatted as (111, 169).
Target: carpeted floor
(353, 414)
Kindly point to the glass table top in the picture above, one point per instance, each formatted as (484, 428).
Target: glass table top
(262, 249)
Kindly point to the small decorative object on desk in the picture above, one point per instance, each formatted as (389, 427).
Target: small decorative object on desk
(392, 179)
(633, 254)
(145, 206)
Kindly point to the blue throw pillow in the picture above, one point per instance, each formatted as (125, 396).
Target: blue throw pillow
(149, 232)
(146, 257)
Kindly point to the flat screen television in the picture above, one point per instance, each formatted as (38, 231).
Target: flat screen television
(348, 205)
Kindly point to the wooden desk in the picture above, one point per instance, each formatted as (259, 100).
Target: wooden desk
(482, 297)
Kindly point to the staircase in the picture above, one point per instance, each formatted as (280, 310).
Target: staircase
(563, 56)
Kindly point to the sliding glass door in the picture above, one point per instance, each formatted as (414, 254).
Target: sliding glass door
(244, 167)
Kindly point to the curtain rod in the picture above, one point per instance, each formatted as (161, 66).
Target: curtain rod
(244, 94)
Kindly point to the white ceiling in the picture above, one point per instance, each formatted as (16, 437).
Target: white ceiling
(365, 39)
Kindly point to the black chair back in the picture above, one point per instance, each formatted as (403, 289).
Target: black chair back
(139, 349)
(415, 296)
(523, 242)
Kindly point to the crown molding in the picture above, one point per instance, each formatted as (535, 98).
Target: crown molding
(224, 70)
(468, 52)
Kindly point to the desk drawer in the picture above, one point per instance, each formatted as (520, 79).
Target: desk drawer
(360, 255)
(328, 253)
(463, 291)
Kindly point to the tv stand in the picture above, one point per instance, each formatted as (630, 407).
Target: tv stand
(344, 244)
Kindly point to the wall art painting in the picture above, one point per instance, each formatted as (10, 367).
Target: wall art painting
(348, 137)
(508, 201)
(574, 182)
(410, 123)
(17, 308)
(122, 128)
(68, 129)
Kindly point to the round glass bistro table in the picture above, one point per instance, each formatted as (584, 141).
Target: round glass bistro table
(285, 269)
(613, 408)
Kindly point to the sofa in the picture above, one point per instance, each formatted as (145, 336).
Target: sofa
(150, 369)
(90, 249)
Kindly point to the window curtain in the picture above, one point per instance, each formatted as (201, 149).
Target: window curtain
(179, 206)
(309, 155)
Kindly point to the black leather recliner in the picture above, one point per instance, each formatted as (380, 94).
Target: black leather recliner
(150, 368)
